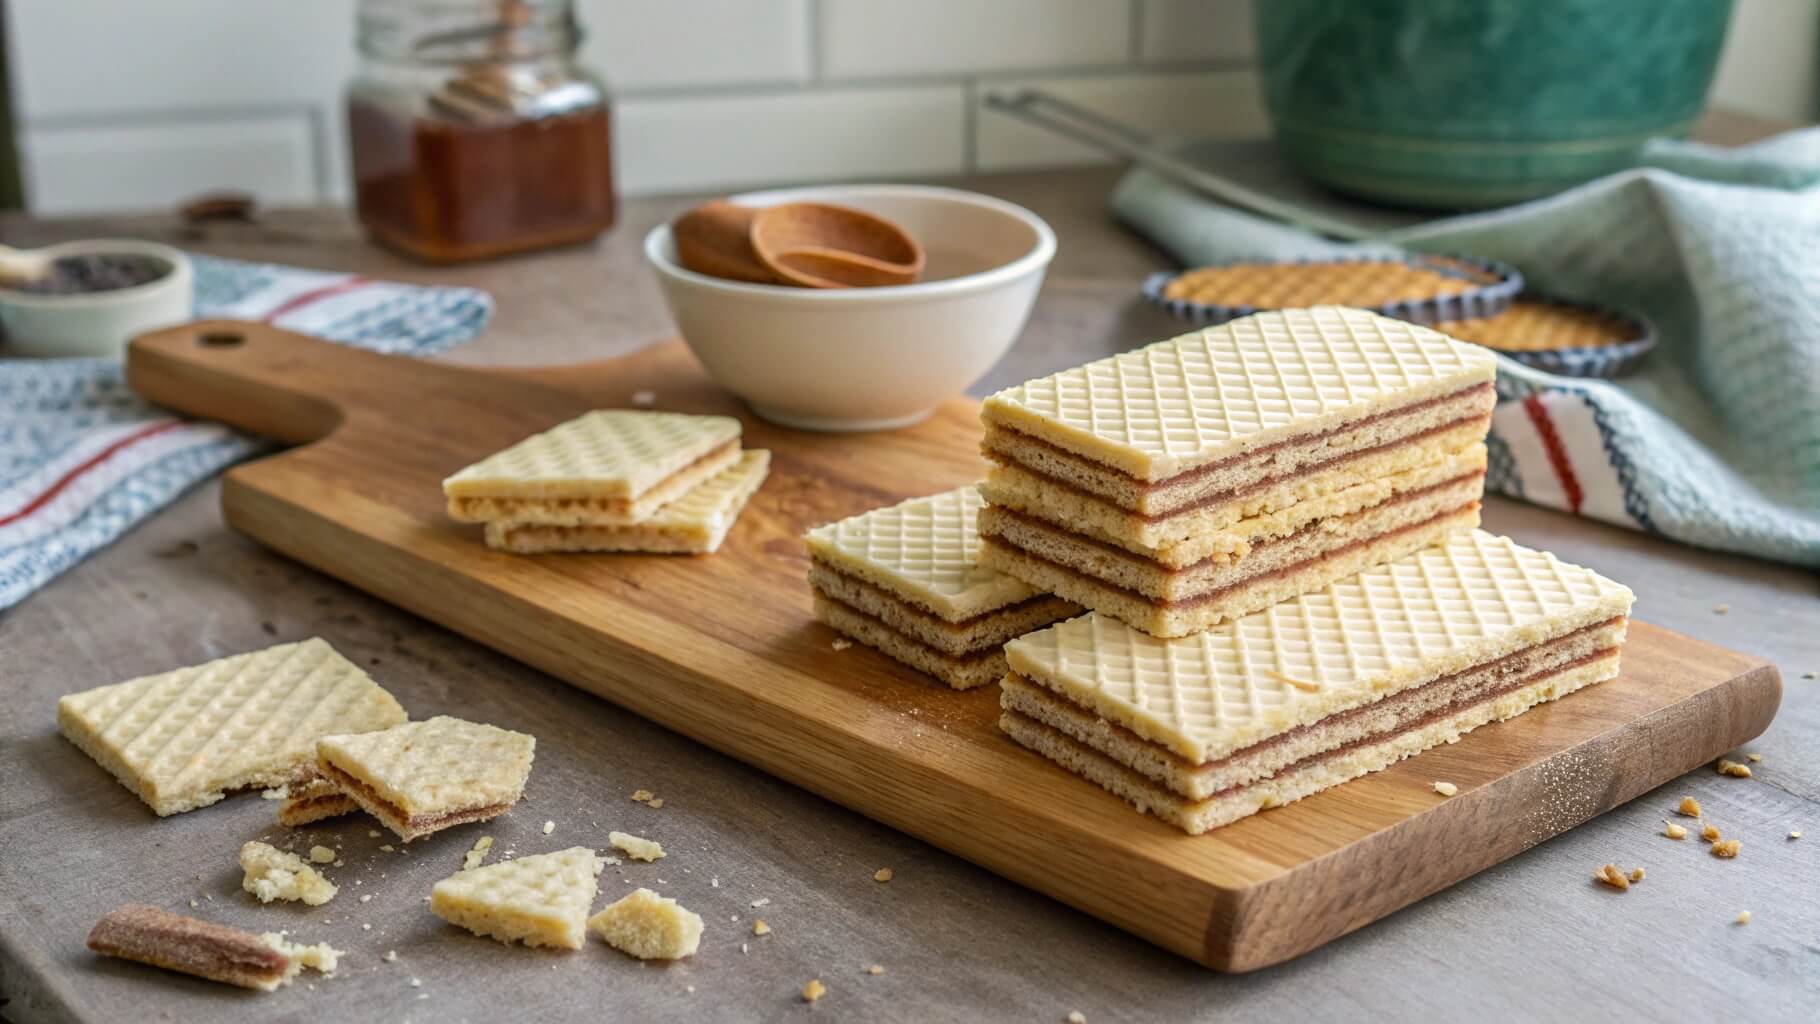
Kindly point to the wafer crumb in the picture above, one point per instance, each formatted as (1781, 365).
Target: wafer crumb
(473, 858)
(840, 643)
(641, 795)
(1742, 918)
(635, 847)
(385, 847)
(1690, 808)
(1636, 874)
(814, 990)
(1721, 609)
(1734, 769)
(1672, 830)
(549, 827)
(391, 956)
(1726, 848)
(1610, 875)
(321, 854)
(1076, 1017)
(1796, 834)
(416, 982)
(762, 901)
(367, 897)
(1710, 833)
(656, 803)
(759, 927)
(882, 875)
(1446, 788)
(1753, 758)
(372, 833)
(874, 969)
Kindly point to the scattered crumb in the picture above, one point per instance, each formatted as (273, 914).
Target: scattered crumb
(1743, 917)
(1710, 833)
(1734, 769)
(549, 827)
(366, 927)
(1690, 808)
(762, 901)
(321, 854)
(1726, 848)
(882, 875)
(814, 990)
(340, 863)
(644, 398)
(1610, 875)
(635, 847)
(1673, 831)
(1753, 758)
(372, 833)
(385, 847)
(759, 927)
(655, 802)
(875, 969)
(321, 957)
(416, 982)
(391, 956)
(474, 857)
(1446, 788)
(841, 643)
(715, 882)
(274, 874)
(745, 947)
(1721, 609)
(1076, 1017)
(648, 926)
(193, 902)
(1636, 874)
(1796, 834)
(367, 898)
(641, 795)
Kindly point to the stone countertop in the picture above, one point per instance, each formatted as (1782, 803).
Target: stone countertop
(1533, 938)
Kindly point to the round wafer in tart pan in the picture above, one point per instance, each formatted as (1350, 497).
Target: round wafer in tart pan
(1573, 339)
(1420, 289)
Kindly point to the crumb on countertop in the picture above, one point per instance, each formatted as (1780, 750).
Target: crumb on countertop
(882, 875)
(814, 990)
(1690, 808)
(1610, 875)
(1672, 830)
(1726, 848)
(1733, 768)
(841, 643)
(1710, 833)
(1446, 788)
(1743, 917)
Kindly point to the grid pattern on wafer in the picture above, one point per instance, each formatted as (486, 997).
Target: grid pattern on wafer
(436, 765)
(1226, 389)
(925, 550)
(182, 739)
(1208, 694)
(1292, 285)
(611, 453)
(696, 522)
(1530, 326)
(542, 899)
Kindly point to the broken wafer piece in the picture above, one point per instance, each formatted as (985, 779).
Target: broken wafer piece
(540, 900)
(151, 935)
(1282, 703)
(184, 739)
(274, 874)
(608, 468)
(422, 777)
(312, 801)
(695, 523)
(1160, 486)
(906, 580)
(648, 926)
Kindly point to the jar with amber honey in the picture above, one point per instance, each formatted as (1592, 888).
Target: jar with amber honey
(473, 131)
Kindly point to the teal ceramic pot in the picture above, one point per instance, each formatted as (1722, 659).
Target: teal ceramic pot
(1465, 104)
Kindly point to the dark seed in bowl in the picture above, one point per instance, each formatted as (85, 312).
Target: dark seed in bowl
(94, 272)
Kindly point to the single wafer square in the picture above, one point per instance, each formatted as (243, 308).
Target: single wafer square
(1230, 390)
(540, 900)
(696, 523)
(183, 739)
(422, 777)
(608, 454)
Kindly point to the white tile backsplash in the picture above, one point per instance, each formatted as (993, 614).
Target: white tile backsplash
(1211, 104)
(882, 38)
(1191, 30)
(192, 94)
(656, 44)
(676, 144)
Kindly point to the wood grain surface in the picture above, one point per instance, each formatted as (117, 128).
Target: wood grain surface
(723, 649)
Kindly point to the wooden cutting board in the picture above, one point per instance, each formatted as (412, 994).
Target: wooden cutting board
(723, 649)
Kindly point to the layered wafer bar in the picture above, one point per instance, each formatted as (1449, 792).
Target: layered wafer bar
(694, 524)
(1282, 703)
(612, 467)
(906, 580)
(1199, 479)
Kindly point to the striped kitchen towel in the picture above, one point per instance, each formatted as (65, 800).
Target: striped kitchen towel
(1715, 439)
(83, 459)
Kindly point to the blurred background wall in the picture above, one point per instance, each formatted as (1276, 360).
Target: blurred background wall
(135, 105)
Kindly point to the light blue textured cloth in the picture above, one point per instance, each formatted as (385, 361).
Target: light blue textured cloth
(1715, 439)
(83, 459)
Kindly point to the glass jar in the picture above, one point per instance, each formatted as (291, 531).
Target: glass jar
(473, 132)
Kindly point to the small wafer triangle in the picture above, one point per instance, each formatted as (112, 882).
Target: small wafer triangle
(540, 900)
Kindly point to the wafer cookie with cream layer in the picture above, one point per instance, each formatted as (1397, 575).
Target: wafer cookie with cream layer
(695, 523)
(423, 777)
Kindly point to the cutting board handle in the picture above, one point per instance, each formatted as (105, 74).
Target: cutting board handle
(277, 383)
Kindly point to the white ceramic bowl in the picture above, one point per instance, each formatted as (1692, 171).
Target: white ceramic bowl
(98, 323)
(868, 358)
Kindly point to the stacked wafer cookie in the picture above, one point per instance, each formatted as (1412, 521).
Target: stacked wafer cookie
(1273, 522)
(613, 480)
(1195, 480)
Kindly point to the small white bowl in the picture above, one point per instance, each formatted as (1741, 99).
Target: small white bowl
(98, 323)
(868, 358)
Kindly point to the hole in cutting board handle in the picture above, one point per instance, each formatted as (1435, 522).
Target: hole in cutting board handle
(221, 339)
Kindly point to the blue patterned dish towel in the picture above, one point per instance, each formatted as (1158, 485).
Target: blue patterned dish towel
(1715, 439)
(83, 459)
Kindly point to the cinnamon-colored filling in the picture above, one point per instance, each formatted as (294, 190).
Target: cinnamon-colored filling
(970, 658)
(916, 612)
(1219, 592)
(1254, 454)
(389, 812)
